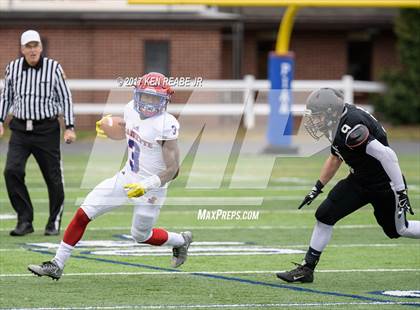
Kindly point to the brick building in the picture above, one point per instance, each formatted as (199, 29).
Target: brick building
(213, 43)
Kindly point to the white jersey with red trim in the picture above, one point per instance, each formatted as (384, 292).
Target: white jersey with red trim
(144, 150)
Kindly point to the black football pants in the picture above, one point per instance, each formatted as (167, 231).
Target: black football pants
(44, 144)
(348, 195)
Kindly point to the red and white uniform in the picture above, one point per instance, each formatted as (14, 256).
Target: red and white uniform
(144, 160)
(144, 152)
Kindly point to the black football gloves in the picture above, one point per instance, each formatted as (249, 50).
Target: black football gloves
(403, 203)
(316, 190)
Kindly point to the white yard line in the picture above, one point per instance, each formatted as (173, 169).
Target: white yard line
(7, 216)
(293, 246)
(187, 201)
(303, 186)
(228, 227)
(141, 273)
(221, 306)
(204, 200)
(212, 228)
(195, 211)
(13, 250)
(361, 245)
(66, 189)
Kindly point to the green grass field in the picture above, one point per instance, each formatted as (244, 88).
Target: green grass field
(359, 260)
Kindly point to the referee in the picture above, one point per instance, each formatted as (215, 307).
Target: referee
(35, 90)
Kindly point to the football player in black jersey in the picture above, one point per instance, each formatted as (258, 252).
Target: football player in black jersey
(359, 140)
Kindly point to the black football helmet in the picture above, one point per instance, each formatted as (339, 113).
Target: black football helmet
(324, 108)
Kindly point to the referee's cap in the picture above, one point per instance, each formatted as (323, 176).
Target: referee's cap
(29, 36)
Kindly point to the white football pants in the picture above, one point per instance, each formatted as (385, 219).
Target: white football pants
(110, 194)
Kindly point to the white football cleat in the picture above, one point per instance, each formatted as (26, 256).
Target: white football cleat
(180, 253)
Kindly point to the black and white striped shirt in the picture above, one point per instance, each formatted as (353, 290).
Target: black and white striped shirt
(36, 93)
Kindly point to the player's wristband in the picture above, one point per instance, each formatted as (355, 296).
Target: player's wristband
(319, 186)
(152, 182)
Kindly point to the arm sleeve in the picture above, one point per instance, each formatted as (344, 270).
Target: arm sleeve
(6, 95)
(387, 157)
(63, 94)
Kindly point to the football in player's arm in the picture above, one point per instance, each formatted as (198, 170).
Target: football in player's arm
(152, 162)
(360, 141)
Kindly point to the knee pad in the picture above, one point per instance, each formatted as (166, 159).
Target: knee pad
(323, 215)
(142, 225)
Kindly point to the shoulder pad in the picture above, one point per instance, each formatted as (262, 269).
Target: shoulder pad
(166, 127)
(354, 117)
(358, 135)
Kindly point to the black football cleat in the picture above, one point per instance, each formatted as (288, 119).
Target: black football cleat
(301, 273)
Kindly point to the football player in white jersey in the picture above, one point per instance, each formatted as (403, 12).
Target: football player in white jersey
(153, 161)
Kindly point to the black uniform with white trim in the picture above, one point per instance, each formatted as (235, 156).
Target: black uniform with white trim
(35, 95)
(365, 169)
(368, 181)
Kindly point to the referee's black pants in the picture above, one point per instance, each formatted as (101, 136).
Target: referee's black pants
(43, 142)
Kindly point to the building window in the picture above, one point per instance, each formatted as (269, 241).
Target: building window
(359, 59)
(157, 57)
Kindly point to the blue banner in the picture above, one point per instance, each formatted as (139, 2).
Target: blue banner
(280, 120)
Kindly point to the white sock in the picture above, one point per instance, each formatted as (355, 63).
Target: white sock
(321, 236)
(63, 253)
(412, 231)
(174, 239)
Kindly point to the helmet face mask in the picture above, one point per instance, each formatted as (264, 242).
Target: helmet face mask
(148, 103)
(152, 95)
(315, 124)
(324, 109)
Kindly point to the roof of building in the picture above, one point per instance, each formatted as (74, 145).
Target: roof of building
(257, 17)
